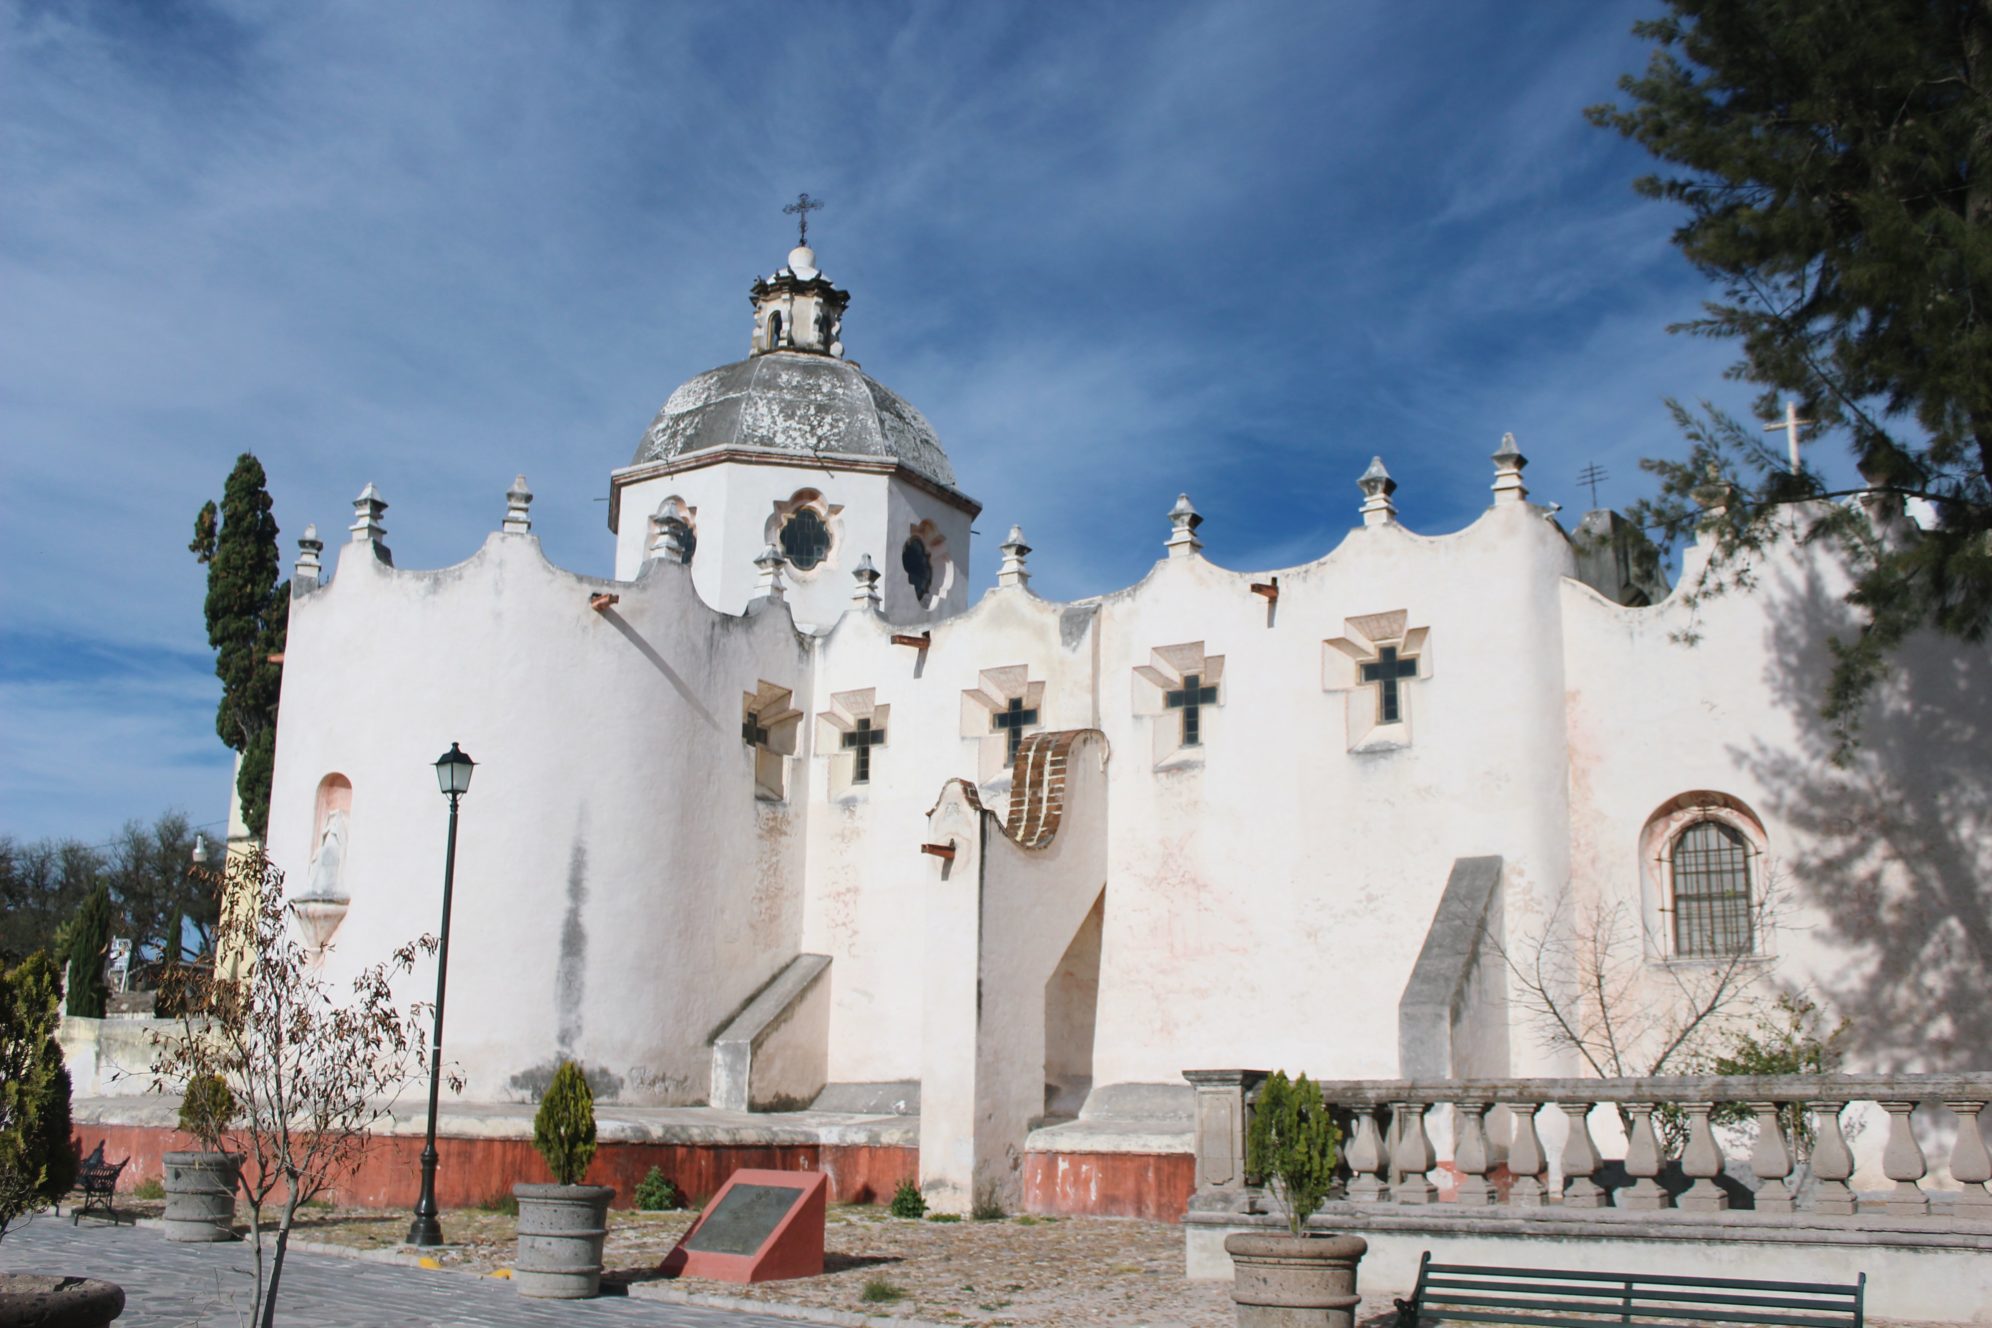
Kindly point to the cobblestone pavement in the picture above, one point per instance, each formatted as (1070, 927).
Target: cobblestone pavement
(181, 1286)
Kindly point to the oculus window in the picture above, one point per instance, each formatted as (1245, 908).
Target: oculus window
(918, 565)
(805, 539)
(687, 541)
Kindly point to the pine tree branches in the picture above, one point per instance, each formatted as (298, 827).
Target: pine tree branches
(1836, 166)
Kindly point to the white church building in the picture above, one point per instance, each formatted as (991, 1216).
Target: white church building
(778, 820)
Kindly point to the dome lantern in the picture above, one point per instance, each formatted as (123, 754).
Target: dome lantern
(798, 308)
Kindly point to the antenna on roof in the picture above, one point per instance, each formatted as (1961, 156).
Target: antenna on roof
(1593, 476)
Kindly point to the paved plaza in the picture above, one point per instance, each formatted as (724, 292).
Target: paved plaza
(179, 1286)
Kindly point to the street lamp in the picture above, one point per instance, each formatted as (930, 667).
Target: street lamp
(453, 776)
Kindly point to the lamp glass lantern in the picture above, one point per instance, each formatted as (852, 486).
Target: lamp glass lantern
(453, 769)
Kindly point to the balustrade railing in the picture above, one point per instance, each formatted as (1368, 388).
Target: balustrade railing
(1389, 1152)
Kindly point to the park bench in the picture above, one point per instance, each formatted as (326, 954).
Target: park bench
(98, 1180)
(1470, 1293)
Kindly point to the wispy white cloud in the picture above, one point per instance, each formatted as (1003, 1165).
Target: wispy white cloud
(1113, 252)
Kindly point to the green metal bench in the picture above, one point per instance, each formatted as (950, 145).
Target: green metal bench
(1546, 1297)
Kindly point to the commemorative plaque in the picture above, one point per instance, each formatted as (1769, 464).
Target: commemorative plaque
(762, 1226)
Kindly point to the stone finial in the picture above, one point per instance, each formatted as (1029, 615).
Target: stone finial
(367, 510)
(864, 594)
(308, 570)
(666, 544)
(518, 502)
(1183, 523)
(768, 583)
(1015, 551)
(1714, 495)
(1377, 486)
(1508, 463)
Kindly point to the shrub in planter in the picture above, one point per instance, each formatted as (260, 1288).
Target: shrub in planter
(200, 1185)
(561, 1226)
(1293, 1146)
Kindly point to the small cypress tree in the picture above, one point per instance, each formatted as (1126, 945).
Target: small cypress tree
(1294, 1145)
(89, 942)
(248, 612)
(564, 1127)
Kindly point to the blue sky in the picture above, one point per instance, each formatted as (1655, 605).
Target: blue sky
(1113, 251)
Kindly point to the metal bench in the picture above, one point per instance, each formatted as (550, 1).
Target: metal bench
(1470, 1293)
(98, 1180)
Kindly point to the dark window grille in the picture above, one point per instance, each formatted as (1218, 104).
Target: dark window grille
(919, 566)
(805, 539)
(1010, 722)
(859, 743)
(1191, 698)
(1386, 671)
(1711, 869)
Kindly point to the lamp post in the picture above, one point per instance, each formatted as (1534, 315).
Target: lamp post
(453, 775)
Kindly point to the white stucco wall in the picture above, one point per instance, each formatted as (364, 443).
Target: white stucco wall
(620, 891)
(1879, 865)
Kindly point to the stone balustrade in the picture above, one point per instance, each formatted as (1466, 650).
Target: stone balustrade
(1501, 1163)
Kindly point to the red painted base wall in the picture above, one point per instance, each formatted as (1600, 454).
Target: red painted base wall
(1156, 1186)
(471, 1171)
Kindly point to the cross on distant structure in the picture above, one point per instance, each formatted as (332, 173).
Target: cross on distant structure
(1385, 671)
(752, 733)
(860, 742)
(1010, 721)
(1790, 424)
(1191, 698)
(800, 210)
(1593, 475)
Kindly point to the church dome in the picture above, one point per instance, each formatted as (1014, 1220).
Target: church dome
(794, 403)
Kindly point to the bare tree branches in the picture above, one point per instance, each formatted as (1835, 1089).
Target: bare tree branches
(1595, 982)
(311, 1075)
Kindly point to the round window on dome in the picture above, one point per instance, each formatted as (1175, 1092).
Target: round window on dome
(687, 541)
(805, 539)
(918, 564)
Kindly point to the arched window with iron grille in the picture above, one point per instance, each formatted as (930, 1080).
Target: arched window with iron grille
(1709, 863)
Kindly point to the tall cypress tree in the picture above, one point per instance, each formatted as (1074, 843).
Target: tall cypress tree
(89, 943)
(1834, 158)
(248, 610)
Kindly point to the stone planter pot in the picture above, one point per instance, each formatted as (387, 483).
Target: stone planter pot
(560, 1240)
(1294, 1281)
(200, 1195)
(43, 1300)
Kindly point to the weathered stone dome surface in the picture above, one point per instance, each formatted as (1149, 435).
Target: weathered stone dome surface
(794, 404)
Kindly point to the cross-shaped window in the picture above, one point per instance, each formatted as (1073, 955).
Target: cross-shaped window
(752, 733)
(1386, 670)
(860, 742)
(1191, 698)
(1010, 721)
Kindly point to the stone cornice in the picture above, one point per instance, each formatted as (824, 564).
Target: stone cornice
(862, 465)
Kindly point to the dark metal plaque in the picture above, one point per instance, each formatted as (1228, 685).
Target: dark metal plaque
(746, 1216)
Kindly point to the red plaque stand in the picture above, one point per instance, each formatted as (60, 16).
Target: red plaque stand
(762, 1226)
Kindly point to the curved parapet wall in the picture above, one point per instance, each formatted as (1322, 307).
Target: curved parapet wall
(623, 883)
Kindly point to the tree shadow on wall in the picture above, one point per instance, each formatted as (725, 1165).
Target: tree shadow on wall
(1895, 871)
